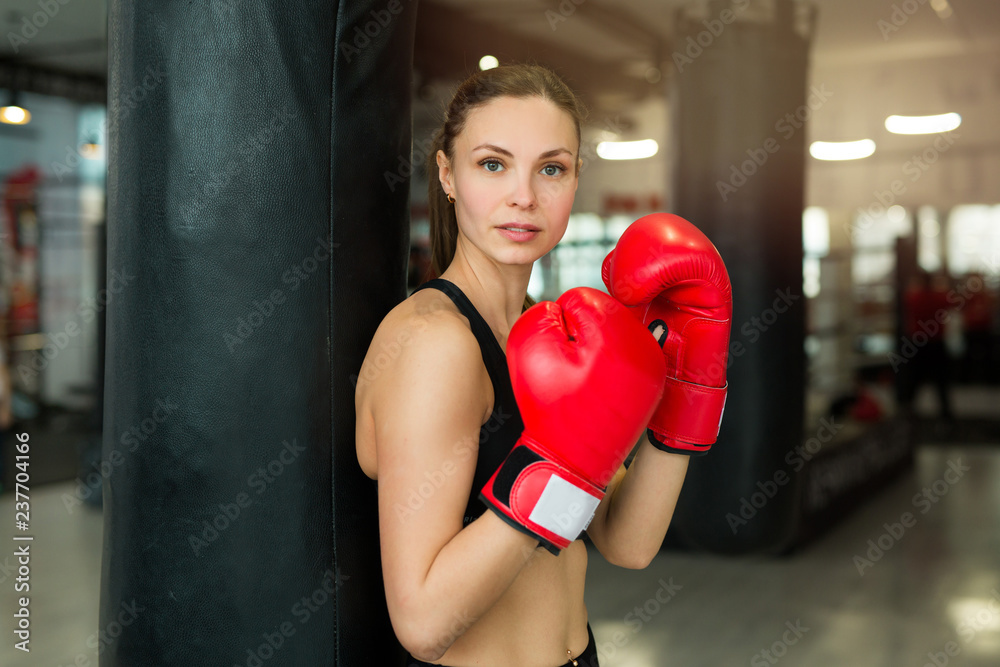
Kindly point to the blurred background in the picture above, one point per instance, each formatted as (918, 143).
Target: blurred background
(900, 218)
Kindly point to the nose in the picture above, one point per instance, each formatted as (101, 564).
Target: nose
(523, 195)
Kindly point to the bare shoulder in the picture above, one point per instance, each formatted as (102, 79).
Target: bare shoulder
(423, 350)
(424, 331)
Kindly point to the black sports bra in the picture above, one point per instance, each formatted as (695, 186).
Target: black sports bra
(500, 432)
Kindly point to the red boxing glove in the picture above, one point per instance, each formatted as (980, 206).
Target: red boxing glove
(668, 272)
(587, 377)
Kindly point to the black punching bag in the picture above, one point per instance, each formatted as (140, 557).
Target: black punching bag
(250, 214)
(739, 176)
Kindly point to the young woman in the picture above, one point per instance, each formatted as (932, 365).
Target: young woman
(437, 416)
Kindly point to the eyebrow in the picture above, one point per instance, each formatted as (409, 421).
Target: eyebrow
(504, 151)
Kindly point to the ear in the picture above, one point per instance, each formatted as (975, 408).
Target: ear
(445, 174)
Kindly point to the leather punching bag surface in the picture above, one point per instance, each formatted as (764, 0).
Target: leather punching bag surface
(250, 212)
(739, 176)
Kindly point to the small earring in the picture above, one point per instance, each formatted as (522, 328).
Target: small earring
(451, 200)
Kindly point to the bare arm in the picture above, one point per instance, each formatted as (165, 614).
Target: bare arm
(428, 408)
(630, 523)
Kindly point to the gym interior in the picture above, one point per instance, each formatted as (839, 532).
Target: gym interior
(174, 177)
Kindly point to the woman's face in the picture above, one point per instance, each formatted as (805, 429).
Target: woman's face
(514, 177)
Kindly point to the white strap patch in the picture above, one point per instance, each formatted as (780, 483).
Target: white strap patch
(564, 509)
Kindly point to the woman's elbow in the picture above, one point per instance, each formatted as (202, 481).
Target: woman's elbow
(420, 635)
(421, 649)
(631, 557)
(635, 560)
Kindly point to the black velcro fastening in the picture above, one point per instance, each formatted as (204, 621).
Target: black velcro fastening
(519, 459)
(662, 338)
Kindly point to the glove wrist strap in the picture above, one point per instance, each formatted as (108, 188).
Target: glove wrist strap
(688, 418)
(553, 503)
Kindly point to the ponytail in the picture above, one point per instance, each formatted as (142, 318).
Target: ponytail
(443, 223)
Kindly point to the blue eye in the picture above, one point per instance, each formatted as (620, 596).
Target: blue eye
(558, 167)
(488, 163)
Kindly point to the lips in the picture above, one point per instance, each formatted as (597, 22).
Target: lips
(520, 227)
(519, 232)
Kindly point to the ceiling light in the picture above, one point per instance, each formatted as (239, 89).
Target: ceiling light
(627, 150)
(91, 150)
(942, 7)
(842, 150)
(488, 62)
(944, 122)
(14, 113)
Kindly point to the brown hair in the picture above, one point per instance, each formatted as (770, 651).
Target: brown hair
(520, 80)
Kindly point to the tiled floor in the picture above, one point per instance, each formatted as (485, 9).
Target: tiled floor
(935, 588)
(65, 580)
(937, 581)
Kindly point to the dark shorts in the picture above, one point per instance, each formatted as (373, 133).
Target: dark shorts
(586, 659)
